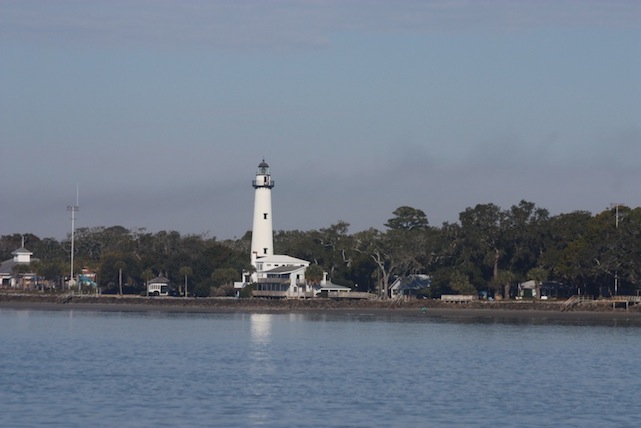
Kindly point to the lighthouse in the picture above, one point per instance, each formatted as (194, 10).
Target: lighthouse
(275, 275)
(262, 231)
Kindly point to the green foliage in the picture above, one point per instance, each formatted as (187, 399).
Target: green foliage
(486, 244)
(407, 218)
(503, 282)
(314, 274)
(538, 274)
(109, 272)
(460, 284)
(246, 292)
(202, 289)
(297, 243)
(224, 276)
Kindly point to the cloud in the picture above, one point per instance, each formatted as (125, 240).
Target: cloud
(171, 140)
(287, 24)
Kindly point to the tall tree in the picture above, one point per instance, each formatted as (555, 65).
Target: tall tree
(336, 248)
(504, 279)
(524, 236)
(185, 272)
(539, 275)
(407, 218)
(408, 237)
(629, 250)
(483, 236)
(120, 266)
(147, 274)
(374, 245)
(566, 254)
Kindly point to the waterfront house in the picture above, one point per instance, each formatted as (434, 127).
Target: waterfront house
(159, 286)
(17, 269)
(329, 289)
(409, 286)
(282, 281)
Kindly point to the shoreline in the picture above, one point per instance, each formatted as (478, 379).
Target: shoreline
(487, 312)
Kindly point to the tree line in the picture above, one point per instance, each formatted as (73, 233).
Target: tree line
(489, 249)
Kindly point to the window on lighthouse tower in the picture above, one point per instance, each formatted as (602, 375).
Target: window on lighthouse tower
(264, 216)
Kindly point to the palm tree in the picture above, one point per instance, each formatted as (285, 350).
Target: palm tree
(147, 274)
(35, 268)
(120, 265)
(504, 278)
(19, 270)
(538, 274)
(314, 275)
(185, 271)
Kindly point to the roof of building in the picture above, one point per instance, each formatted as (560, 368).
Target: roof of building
(412, 282)
(21, 250)
(280, 259)
(284, 269)
(531, 284)
(6, 267)
(160, 279)
(330, 286)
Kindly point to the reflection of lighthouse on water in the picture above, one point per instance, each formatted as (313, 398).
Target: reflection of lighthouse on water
(260, 328)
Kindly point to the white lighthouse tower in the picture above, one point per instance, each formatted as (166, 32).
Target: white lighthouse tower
(274, 275)
(262, 231)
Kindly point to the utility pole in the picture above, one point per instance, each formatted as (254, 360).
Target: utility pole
(615, 205)
(74, 209)
(186, 286)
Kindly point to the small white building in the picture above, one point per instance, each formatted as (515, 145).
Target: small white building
(8, 268)
(159, 286)
(329, 289)
(527, 289)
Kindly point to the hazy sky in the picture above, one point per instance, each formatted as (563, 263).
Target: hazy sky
(162, 110)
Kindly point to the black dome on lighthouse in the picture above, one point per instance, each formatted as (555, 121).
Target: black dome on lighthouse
(263, 164)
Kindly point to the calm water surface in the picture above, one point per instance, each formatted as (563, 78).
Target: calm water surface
(75, 368)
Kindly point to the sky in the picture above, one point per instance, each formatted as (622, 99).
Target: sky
(159, 112)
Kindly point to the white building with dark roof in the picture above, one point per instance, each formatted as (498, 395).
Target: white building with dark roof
(10, 271)
(158, 286)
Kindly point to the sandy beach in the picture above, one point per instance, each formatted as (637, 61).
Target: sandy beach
(488, 312)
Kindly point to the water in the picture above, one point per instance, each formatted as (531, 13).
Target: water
(104, 369)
